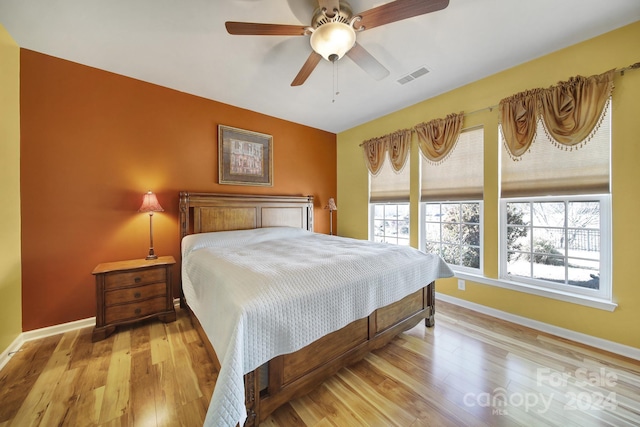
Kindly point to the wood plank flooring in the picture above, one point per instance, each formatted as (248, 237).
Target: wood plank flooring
(469, 370)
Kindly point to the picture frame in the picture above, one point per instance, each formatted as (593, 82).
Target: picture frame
(244, 157)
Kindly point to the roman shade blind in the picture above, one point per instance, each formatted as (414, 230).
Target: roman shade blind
(389, 186)
(460, 175)
(386, 159)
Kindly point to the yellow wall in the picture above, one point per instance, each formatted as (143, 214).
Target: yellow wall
(10, 282)
(616, 49)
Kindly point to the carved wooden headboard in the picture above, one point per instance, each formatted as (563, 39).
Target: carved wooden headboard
(205, 212)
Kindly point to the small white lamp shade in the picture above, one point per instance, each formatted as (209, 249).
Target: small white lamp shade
(331, 205)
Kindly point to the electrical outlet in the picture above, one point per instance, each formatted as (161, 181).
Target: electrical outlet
(461, 284)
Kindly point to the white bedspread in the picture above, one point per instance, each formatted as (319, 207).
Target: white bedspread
(271, 291)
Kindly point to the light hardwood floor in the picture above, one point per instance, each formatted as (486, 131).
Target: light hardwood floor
(469, 370)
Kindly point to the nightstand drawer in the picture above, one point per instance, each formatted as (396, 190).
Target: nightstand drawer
(133, 278)
(118, 313)
(138, 293)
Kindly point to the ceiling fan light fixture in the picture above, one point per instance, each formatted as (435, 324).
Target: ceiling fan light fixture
(332, 40)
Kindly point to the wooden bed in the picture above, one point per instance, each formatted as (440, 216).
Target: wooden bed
(295, 374)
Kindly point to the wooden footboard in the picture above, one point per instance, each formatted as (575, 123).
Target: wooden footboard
(296, 374)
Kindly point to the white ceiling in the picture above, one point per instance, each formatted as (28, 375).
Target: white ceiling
(183, 44)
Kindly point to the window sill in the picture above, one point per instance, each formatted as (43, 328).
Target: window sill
(598, 303)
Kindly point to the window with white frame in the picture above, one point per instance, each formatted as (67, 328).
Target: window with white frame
(391, 223)
(452, 230)
(555, 211)
(451, 208)
(556, 242)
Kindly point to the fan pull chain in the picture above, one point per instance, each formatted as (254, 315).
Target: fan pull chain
(335, 81)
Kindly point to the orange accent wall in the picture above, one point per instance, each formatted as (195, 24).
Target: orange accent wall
(93, 142)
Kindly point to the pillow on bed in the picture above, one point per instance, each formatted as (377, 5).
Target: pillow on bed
(194, 242)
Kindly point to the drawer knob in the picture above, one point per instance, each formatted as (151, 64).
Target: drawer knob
(137, 279)
(137, 295)
(137, 310)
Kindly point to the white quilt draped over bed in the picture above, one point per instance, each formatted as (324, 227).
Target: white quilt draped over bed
(271, 291)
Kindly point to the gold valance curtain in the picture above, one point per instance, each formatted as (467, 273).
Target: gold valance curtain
(518, 116)
(570, 112)
(374, 151)
(397, 144)
(399, 147)
(437, 138)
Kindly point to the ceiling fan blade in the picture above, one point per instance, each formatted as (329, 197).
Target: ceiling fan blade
(253, 29)
(398, 10)
(367, 62)
(330, 6)
(307, 68)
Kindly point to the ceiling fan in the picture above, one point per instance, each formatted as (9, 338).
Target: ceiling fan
(333, 31)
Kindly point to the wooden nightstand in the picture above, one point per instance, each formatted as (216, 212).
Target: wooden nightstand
(129, 291)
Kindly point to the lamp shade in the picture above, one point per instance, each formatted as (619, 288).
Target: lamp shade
(333, 40)
(331, 204)
(150, 203)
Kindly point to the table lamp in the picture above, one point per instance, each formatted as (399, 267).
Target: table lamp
(150, 204)
(331, 205)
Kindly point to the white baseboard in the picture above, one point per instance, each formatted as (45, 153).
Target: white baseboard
(9, 351)
(613, 347)
(58, 329)
(24, 337)
(47, 332)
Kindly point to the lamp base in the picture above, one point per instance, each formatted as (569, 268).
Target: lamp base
(152, 254)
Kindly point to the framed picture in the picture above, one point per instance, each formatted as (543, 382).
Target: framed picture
(244, 157)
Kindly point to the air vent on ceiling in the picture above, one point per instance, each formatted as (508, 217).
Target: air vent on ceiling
(414, 75)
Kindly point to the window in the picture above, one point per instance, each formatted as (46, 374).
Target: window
(390, 223)
(452, 230)
(389, 205)
(555, 211)
(557, 242)
(451, 212)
